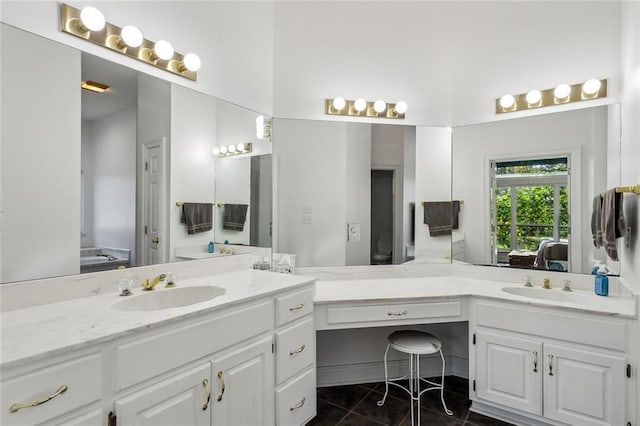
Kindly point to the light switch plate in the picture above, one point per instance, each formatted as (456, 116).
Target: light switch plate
(353, 232)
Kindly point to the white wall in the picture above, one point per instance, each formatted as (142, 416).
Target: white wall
(448, 60)
(433, 183)
(630, 171)
(193, 137)
(576, 132)
(232, 186)
(310, 211)
(358, 192)
(233, 39)
(40, 144)
(110, 177)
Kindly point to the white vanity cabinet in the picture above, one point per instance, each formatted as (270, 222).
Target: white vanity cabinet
(564, 368)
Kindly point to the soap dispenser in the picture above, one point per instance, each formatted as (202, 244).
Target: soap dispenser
(210, 248)
(602, 281)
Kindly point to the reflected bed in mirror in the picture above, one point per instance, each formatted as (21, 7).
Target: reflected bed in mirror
(528, 185)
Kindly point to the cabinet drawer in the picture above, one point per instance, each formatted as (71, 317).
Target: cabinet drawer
(296, 401)
(293, 306)
(148, 357)
(393, 312)
(81, 376)
(295, 349)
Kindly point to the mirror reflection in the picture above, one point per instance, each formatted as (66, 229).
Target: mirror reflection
(95, 185)
(345, 192)
(528, 185)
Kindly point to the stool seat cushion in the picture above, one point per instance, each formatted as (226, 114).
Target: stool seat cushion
(414, 342)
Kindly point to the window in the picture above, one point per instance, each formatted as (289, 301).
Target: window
(530, 204)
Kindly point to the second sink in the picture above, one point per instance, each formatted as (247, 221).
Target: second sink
(547, 294)
(169, 298)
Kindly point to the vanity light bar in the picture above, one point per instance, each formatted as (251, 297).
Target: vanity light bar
(89, 24)
(561, 94)
(230, 150)
(361, 108)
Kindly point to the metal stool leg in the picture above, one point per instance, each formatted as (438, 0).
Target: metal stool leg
(386, 379)
(444, 405)
(418, 382)
(411, 388)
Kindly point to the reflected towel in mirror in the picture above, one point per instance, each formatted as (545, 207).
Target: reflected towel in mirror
(197, 217)
(613, 223)
(441, 216)
(235, 215)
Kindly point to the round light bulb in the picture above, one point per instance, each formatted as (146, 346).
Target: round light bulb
(533, 97)
(401, 107)
(507, 101)
(163, 49)
(232, 149)
(223, 150)
(131, 36)
(339, 103)
(192, 62)
(92, 18)
(591, 87)
(562, 91)
(379, 106)
(240, 147)
(216, 151)
(360, 104)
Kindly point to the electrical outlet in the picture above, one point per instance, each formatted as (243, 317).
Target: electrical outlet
(306, 219)
(353, 232)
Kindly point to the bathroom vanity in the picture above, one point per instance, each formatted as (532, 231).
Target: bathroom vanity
(246, 354)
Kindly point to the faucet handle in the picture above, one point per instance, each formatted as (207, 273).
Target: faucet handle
(527, 281)
(546, 283)
(566, 285)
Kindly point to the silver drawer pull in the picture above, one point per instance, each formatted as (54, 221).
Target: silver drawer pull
(396, 314)
(296, 307)
(221, 386)
(207, 394)
(16, 407)
(298, 405)
(550, 364)
(297, 351)
(535, 361)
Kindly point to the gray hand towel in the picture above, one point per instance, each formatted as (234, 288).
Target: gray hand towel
(596, 221)
(235, 215)
(437, 214)
(613, 223)
(197, 217)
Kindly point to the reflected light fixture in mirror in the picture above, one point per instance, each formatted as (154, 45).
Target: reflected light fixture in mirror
(230, 150)
(263, 127)
(561, 94)
(362, 108)
(90, 24)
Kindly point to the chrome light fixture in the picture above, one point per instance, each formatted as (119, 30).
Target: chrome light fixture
(90, 24)
(362, 108)
(561, 94)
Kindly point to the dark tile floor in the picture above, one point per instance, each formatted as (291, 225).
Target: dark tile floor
(355, 405)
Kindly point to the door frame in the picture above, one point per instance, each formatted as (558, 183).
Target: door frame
(396, 214)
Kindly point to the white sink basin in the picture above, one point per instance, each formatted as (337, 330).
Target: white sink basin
(553, 294)
(169, 298)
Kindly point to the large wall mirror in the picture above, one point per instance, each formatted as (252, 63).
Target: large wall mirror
(528, 185)
(94, 181)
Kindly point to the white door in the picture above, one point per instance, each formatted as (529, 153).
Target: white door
(583, 387)
(183, 399)
(154, 205)
(509, 371)
(243, 386)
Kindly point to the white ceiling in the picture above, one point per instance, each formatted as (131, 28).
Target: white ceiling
(122, 82)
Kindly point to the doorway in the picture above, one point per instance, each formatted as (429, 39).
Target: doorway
(382, 202)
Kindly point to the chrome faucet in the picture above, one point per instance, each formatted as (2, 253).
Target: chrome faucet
(566, 285)
(150, 284)
(527, 281)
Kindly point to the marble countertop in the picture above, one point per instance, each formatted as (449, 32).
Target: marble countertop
(41, 331)
(402, 282)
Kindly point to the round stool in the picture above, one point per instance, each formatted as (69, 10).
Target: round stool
(414, 343)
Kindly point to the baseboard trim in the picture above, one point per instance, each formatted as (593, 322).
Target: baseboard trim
(370, 372)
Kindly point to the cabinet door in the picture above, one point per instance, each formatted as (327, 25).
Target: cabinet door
(243, 386)
(509, 371)
(583, 387)
(183, 399)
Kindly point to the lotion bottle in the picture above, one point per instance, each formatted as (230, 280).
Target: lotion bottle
(210, 248)
(602, 281)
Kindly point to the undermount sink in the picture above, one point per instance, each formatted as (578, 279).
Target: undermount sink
(169, 298)
(553, 294)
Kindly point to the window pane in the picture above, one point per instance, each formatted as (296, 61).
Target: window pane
(534, 215)
(503, 218)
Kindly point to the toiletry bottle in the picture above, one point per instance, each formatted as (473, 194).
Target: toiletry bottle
(210, 247)
(602, 281)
